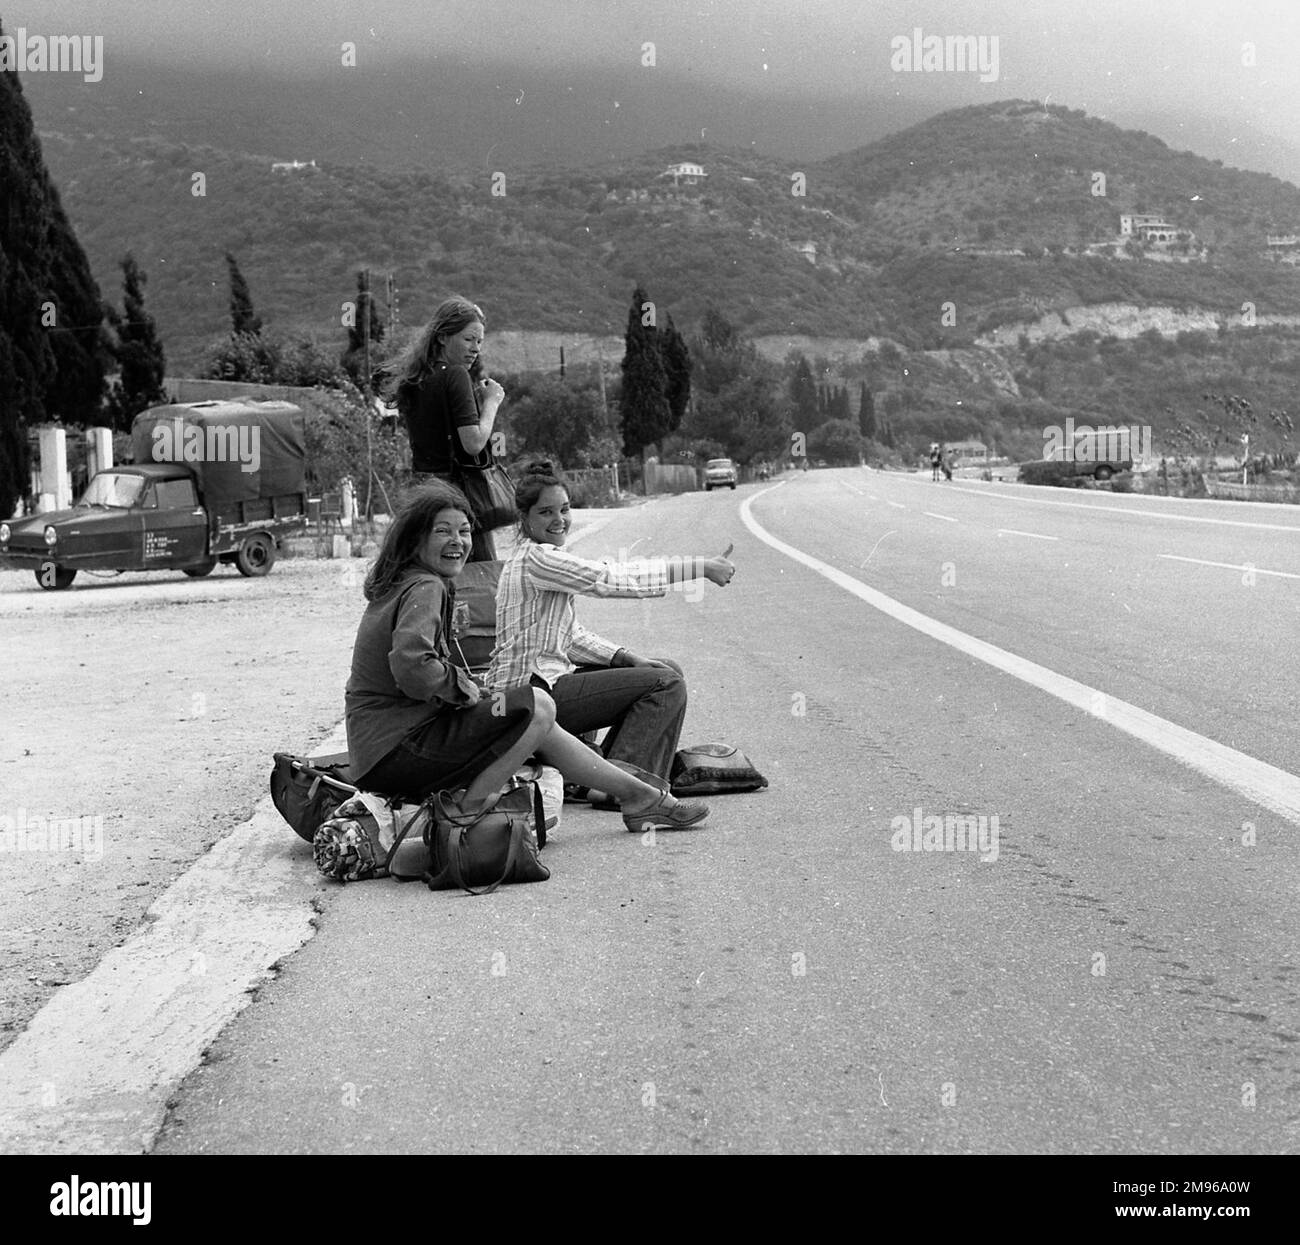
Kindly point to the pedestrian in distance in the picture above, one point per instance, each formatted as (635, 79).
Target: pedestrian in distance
(417, 720)
(594, 682)
(948, 459)
(936, 460)
(448, 403)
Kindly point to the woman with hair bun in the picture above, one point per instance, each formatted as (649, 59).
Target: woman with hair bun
(447, 403)
(594, 682)
(417, 721)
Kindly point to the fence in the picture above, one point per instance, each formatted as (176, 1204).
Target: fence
(670, 478)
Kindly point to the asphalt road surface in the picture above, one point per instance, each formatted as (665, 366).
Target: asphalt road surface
(1103, 683)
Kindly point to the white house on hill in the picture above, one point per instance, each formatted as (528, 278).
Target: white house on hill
(685, 172)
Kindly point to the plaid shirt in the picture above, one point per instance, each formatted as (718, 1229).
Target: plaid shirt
(537, 631)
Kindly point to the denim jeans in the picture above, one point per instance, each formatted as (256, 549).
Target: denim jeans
(643, 706)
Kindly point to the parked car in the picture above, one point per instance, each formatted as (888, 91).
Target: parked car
(180, 506)
(717, 472)
(1101, 454)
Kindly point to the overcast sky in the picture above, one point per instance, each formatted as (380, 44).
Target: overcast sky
(1113, 58)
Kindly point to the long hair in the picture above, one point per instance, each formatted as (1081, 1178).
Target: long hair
(404, 540)
(535, 477)
(409, 368)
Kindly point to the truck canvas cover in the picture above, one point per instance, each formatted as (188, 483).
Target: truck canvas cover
(240, 450)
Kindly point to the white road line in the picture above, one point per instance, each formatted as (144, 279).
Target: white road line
(1011, 531)
(1154, 514)
(897, 505)
(1230, 566)
(1265, 784)
(947, 518)
(872, 497)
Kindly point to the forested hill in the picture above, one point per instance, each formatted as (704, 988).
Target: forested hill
(934, 236)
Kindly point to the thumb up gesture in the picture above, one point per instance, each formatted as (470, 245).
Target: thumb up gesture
(720, 570)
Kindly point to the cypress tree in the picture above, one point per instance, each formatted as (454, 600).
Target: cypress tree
(137, 349)
(866, 412)
(242, 317)
(644, 402)
(676, 356)
(51, 319)
(803, 395)
(354, 356)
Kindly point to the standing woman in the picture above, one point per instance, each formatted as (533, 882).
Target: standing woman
(447, 403)
(593, 681)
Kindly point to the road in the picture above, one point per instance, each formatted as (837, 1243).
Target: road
(1101, 679)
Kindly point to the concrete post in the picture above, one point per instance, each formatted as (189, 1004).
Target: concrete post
(56, 492)
(349, 502)
(99, 445)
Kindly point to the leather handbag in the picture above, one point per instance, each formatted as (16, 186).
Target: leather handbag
(490, 849)
(486, 484)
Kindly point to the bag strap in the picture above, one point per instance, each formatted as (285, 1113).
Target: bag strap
(423, 811)
(539, 815)
(320, 776)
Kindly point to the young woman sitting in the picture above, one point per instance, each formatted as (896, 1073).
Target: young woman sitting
(594, 682)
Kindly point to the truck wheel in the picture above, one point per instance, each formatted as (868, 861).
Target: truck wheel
(256, 555)
(733, 488)
(51, 577)
(205, 568)
(1104, 473)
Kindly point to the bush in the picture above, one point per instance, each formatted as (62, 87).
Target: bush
(1043, 471)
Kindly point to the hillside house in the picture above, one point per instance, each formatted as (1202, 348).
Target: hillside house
(685, 173)
(291, 166)
(967, 452)
(1283, 241)
(809, 251)
(1131, 223)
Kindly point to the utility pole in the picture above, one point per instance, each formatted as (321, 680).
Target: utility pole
(365, 386)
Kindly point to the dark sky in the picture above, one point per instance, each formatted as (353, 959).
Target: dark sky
(1117, 59)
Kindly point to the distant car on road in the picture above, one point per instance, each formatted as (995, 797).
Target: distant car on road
(717, 472)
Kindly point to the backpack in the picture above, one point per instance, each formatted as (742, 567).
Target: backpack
(307, 790)
(475, 618)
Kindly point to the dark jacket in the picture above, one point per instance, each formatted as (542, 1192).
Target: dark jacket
(403, 670)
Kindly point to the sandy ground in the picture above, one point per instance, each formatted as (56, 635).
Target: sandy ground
(150, 704)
